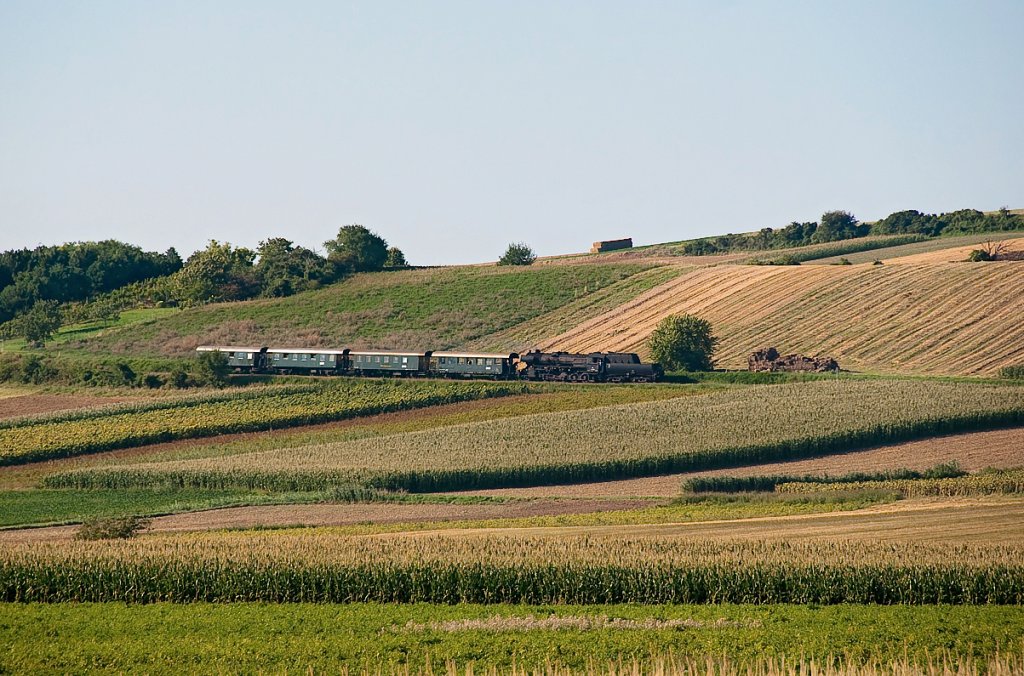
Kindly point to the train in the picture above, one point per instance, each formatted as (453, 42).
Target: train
(595, 367)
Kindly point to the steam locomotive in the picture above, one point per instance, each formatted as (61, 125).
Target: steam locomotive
(597, 367)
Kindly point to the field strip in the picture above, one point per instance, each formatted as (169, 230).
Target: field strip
(17, 404)
(956, 254)
(975, 451)
(344, 515)
(985, 520)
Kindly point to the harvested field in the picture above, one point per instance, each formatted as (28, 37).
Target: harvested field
(974, 451)
(959, 253)
(938, 245)
(952, 319)
(527, 334)
(35, 404)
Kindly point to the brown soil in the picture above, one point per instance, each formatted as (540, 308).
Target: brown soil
(342, 515)
(35, 404)
(974, 451)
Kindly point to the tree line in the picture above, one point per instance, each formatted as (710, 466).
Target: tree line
(835, 226)
(45, 287)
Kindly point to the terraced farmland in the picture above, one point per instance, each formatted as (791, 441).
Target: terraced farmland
(951, 319)
(699, 432)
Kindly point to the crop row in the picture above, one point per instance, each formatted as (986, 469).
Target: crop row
(190, 581)
(989, 483)
(332, 547)
(768, 482)
(268, 408)
(718, 429)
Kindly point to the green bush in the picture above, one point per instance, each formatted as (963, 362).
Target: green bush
(1012, 372)
(119, 528)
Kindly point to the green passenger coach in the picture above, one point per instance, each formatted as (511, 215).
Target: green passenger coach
(387, 363)
(296, 360)
(472, 364)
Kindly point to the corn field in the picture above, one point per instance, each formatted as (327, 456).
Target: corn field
(718, 429)
(78, 433)
(320, 567)
(768, 482)
(988, 483)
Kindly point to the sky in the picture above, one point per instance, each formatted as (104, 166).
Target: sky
(454, 128)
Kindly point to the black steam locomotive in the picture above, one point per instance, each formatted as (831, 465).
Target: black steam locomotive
(596, 367)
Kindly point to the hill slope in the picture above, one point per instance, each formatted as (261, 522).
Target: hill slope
(415, 309)
(939, 318)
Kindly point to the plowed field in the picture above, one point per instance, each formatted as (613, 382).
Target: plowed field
(948, 318)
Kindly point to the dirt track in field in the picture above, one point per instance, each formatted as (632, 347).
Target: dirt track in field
(974, 451)
(35, 404)
(939, 318)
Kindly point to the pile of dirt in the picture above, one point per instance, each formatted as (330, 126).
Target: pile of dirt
(769, 359)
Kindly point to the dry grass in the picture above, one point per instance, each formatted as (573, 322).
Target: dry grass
(938, 318)
(973, 451)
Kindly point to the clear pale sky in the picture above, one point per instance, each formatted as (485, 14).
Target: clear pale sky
(453, 128)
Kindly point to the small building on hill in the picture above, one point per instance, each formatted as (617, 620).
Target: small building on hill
(612, 245)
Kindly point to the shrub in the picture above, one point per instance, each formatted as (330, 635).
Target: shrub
(120, 528)
(212, 368)
(1013, 372)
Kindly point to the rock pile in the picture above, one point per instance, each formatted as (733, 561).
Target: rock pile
(769, 359)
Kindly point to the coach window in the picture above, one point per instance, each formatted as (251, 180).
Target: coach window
(405, 360)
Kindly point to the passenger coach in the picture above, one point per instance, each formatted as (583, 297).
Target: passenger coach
(472, 364)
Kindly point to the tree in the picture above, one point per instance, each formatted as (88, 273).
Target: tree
(837, 225)
(217, 273)
(284, 269)
(357, 249)
(395, 259)
(212, 368)
(518, 253)
(40, 323)
(683, 342)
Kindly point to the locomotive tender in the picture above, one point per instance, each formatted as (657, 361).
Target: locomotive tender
(599, 367)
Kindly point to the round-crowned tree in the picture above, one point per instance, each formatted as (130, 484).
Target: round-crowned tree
(358, 249)
(683, 343)
(517, 253)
